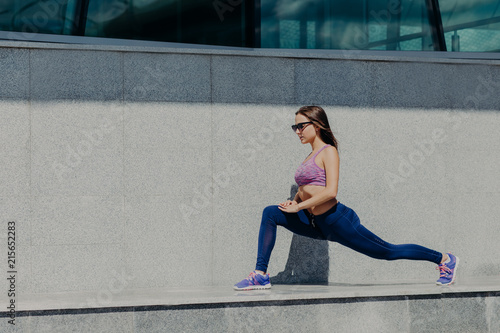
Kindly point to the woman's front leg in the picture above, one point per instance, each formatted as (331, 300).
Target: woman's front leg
(272, 216)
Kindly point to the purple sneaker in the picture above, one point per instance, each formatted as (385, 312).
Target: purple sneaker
(254, 281)
(448, 271)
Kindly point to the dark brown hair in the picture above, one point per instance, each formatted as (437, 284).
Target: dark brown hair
(317, 115)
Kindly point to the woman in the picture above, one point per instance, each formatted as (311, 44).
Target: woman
(316, 213)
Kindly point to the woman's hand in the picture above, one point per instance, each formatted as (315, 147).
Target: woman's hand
(287, 203)
(289, 206)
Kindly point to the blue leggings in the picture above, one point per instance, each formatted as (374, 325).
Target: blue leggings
(340, 224)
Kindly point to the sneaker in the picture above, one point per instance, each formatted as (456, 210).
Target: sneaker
(254, 281)
(448, 271)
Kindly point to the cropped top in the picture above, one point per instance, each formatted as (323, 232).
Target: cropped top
(309, 173)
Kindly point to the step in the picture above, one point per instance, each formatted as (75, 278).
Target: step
(470, 305)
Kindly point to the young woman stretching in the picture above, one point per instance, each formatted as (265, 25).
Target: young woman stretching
(316, 213)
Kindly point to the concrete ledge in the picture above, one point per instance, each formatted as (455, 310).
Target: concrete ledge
(483, 58)
(468, 306)
(201, 297)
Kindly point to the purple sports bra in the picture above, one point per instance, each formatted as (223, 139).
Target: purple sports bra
(309, 173)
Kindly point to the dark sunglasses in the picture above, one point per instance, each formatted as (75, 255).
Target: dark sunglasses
(300, 126)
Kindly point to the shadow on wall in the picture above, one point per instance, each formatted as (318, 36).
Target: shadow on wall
(308, 261)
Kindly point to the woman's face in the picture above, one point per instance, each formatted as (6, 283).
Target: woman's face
(308, 132)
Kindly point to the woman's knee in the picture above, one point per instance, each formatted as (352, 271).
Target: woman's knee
(272, 214)
(271, 211)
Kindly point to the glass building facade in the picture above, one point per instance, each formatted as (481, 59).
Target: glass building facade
(414, 25)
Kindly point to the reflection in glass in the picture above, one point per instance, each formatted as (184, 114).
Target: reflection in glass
(357, 24)
(471, 25)
(42, 16)
(467, 25)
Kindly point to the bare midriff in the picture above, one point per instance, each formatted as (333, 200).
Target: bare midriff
(307, 191)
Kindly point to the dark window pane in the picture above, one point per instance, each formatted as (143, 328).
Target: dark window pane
(184, 21)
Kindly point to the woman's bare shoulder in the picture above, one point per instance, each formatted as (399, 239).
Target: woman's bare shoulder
(331, 150)
(328, 155)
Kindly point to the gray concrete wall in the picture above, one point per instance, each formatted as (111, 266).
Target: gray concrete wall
(152, 166)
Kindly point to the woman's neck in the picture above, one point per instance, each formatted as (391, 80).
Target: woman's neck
(317, 144)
